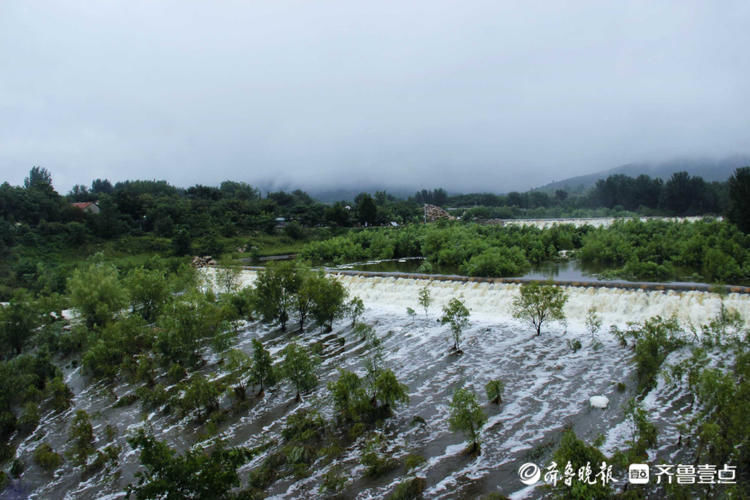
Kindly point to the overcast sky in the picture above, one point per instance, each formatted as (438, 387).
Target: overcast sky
(467, 95)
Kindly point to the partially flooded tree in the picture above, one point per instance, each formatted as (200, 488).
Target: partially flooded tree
(195, 474)
(494, 390)
(241, 366)
(328, 300)
(425, 299)
(262, 372)
(539, 303)
(82, 437)
(356, 309)
(298, 367)
(456, 315)
(275, 289)
(467, 416)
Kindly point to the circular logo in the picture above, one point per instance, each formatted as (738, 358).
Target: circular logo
(529, 473)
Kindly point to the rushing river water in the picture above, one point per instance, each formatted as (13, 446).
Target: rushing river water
(548, 386)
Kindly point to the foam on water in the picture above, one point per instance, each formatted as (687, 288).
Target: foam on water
(548, 385)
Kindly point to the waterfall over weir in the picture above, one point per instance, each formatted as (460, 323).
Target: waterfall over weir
(493, 301)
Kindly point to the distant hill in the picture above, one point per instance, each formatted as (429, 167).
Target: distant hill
(709, 169)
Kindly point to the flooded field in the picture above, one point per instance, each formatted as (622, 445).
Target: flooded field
(547, 387)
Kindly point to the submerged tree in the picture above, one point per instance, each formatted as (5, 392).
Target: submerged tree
(467, 416)
(457, 316)
(539, 303)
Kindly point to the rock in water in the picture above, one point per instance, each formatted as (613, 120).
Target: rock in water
(599, 402)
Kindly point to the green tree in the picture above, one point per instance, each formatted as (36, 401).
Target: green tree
(389, 391)
(580, 455)
(148, 291)
(467, 416)
(328, 300)
(593, 321)
(275, 289)
(18, 320)
(367, 210)
(356, 309)
(349, 397)
(298, 366)
(82, 436)
(538, 303)
(97, 293)
(456, 315)
(262, 371)
(201, 394)
(494, 390)
(739, 199)
(184, 326)
(197, 473)
(241, 367)
(425, 299)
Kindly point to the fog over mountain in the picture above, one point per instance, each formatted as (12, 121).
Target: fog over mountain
(477, 96)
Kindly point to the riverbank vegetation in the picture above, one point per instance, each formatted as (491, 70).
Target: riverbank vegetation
(654, 250)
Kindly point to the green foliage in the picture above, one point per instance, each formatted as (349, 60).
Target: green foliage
(356, 309)
(425, 299)
(467, 416)
(328, 296)
(739, 199)
(262, 371)
(96, 291)
(298, 366)
(197, 473)
(59, 393)
(189, 321)
(498, 261)
(579, 454)
(652, 342)
(456, 315)
(334, 480)
(275, 288)
(593, 321)
(368, 400)
(81, 436)
(201, 395)
(18, 320)
(643, 434)
(148, 291)
(409, 489)
(46, 458)
(539, 303)
(29, 419)
(376, 458)
(494, 390)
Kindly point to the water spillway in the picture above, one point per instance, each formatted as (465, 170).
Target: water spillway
(617, 303)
